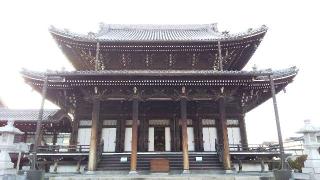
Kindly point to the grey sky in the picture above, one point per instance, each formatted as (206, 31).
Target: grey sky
(293, 39)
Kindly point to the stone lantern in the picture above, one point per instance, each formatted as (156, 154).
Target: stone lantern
(7, 145)
(311, 147)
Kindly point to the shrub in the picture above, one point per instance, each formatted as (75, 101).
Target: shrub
(298, 163)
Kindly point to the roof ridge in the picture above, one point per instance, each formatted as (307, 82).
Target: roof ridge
(157, 26)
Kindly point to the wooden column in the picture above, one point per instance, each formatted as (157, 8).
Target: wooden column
(25, 137)
(141, 134)
(224, 134)
(134, 141)
(75, 128)
(118, 136)
(196, 133)
(177, 134)
(92, 163)
(200, 134)
(146, 134)
(183, 108)
(54, 138)
(243, 132)
(122, 136)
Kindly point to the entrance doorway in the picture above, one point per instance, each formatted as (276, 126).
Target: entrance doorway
(159, 139)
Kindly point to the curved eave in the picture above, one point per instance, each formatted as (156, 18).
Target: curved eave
(281, 80)
(224, 37)
(252, 87)
(94, 78)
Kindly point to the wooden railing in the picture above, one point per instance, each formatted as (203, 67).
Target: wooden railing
(63, 148)
(253, 148)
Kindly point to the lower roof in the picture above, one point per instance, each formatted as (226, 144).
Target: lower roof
(247, 88)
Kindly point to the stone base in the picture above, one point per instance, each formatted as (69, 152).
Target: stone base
(133, 173)
(67, 168)
(314, 163)
(7, 171)
(185, 172)
(282, 174)
(33, 174)
(251, 167)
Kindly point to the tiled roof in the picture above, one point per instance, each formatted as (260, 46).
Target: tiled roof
(56, 75)
(155, 33)
(25, 114)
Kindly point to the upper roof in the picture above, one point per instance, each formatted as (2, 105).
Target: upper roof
(198, 46)
(158, 33)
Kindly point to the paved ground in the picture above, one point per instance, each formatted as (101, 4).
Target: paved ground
(161, 176)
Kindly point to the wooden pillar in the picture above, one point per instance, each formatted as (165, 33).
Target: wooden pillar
(54, 138)
(172, 133)
(134, 141)
(243, 132)
(92, 163)
(195, 133)
(145, 136)
(224, 134)
(25, 137)
(200, 134)
(142, 127)
(118, 135)
(183, 108)
(177, 134)
(123, 132)
(75, 128)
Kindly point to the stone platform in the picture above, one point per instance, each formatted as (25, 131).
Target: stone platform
(162, 176)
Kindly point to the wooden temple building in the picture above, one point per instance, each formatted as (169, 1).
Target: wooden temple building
(148, 95)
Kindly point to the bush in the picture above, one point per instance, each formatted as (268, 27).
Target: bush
(298, 163)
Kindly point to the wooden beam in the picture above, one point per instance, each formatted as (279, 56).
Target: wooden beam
(92, 163)
(183, 108)
(224, 134)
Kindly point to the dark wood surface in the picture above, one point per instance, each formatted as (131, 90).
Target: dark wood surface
(159, 165)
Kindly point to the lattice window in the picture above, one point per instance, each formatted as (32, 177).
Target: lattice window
(159, 122)
(208, 122)
(232, 122)
(129, 122)
(85, 123)
(109, 122)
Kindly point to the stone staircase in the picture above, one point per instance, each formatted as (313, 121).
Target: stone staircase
(112, 161)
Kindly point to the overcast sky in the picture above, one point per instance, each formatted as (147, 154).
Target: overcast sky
(292, 40)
